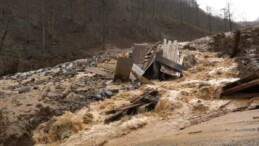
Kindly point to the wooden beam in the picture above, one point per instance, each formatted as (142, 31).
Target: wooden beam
(241, 87)
(170, 63)
(240, 96)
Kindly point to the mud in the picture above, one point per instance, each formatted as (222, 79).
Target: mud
(30, 98)
(192, 99)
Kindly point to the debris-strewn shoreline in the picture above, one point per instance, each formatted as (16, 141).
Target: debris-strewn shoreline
(92, 101)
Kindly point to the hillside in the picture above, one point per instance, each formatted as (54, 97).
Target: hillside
(37, 34)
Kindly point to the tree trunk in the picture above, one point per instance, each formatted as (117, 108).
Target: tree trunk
(4, 36)
(103, 24)
(43, 25)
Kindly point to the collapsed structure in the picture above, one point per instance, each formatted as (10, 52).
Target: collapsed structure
(112, 94)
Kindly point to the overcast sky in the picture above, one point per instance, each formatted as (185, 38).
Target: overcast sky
(242, 9)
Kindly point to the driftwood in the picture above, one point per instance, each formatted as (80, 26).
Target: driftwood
(147, 99)
(244, 88)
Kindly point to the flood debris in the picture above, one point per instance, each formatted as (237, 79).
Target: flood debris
(169, 78)
(100, 72)
(236, 44)
(123, 70)
(247, 87)
(153, 62)
(147, 100)
(139, 53)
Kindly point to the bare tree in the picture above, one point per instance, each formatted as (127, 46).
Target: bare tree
(225, 18)
(181, 11)
(153, 8)
(197, 11)
(8, 16)
(4, 36)
(209, 12)
(229, 13)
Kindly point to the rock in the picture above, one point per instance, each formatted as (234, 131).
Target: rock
(35, 88)
(49, 124)
(64, 131)
(53, 95)
(39, 105)
(98, 96)
(108, 93)
(2, 94)
(23, 89)
(189, 61)
(115, 91)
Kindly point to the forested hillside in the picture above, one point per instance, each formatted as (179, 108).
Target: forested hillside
(41, 33)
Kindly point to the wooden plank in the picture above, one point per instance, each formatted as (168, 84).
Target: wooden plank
(139, 53)
(147, 93)
(240, 96)
(137, 69)
(153, 48)
(108, 67)
(241, 87)
(170, 52)
(249, 78)
(124, 108)
(135, 103)
(123, 69)
(170, 63)
(150, 62)
(142, 79)
(98, 71)
(113, 117)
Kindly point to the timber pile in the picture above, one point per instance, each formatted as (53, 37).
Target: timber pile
(247, 87)
(146, 101)
(160, 61)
